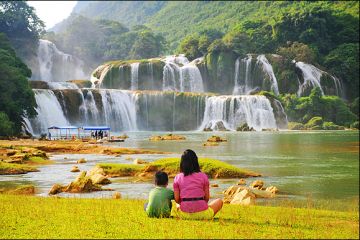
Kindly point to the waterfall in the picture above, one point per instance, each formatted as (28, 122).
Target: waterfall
(55, 65)
(243, 83)
(312, 76)
(49, 111)
(267, 68)
(181, 75)
(119, 109)
(135, 76)
(233, 111)
(62, 85)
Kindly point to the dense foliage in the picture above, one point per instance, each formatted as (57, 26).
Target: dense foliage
(329, 108)
(21, 25)
(96, 41)
(16, 97)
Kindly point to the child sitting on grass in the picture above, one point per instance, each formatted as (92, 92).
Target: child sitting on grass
(160, 197)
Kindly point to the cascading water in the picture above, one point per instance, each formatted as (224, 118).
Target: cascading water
(312, 76)
(56, 66)
(233, 111)
(135, 76)
(49, 111)
(267, 68)
(181, 75)
(243, 83)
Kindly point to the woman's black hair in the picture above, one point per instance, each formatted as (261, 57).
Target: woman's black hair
(189, 162)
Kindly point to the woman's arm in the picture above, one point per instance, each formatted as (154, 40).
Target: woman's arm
(207, 193)
(177, 196)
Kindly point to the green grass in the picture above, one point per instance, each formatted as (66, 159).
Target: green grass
(36, 217)
(13, 168)
(213, 168)
(38, 160)
(119, 169)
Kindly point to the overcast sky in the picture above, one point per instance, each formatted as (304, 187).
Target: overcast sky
(52, 12)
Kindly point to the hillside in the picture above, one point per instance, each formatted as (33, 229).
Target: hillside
(177, 19)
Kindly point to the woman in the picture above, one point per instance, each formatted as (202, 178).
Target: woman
(191, 191)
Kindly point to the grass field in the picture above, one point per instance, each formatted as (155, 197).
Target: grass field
(36, 217)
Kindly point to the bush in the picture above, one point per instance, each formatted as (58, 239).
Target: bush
(296, 126)
(6, 126)
(313, 122)
(331, 126)
(355, 125)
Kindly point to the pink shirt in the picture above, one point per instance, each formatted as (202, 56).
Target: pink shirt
(192, 186)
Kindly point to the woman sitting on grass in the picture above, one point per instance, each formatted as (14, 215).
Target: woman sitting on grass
(191, 191)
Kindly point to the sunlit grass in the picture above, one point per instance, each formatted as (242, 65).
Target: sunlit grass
(212, 167)
(35, 217)
(13, 168)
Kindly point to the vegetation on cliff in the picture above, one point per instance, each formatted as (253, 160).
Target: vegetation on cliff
(16, 98)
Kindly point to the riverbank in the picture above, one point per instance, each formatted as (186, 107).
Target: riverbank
(37, 217)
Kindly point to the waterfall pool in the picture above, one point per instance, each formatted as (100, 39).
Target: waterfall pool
(322, 165)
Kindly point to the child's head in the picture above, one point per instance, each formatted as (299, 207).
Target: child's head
(189, 163)
(161, 178)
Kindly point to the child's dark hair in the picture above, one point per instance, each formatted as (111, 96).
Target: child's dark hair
(189, 163)
(161, 178)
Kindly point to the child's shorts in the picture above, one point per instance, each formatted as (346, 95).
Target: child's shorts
(176, 212)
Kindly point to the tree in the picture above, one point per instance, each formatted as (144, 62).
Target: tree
(16, 97)
(298, 51)
(190, 47)
(21, 25)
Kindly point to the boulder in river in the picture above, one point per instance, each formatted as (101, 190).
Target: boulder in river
(75, 169)
(244, 197)
(116, 195)
(82, 183)
(245, 128)
(81, 160)
(272, 189)
(55, 189)
(216, 139)
(99, 179)
(257, 184)
(139, 161)
(241, 182)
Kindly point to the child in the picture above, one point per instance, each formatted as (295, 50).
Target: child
(160, 197)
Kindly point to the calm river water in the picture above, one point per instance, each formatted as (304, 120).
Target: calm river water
(319, 164)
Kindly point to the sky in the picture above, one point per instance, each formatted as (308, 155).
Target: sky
(52, 12)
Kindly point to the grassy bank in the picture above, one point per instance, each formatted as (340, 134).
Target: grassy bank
(35, 217)
(212, 167)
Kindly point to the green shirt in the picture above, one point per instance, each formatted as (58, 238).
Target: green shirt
(159, 204)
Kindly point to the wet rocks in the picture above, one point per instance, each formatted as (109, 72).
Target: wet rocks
(243, 195)
(241, 182)
(257, 184)
(217, 126)
(216, 139)
(81, 160)
(55, 189)
(245, 128)
(209, 144)
(116, 195)
(167, 137)
(99, 179)
(139, 161)
(214, 185)
(75, 169)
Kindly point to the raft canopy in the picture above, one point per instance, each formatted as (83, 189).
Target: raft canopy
(96, 128)
(62, 127)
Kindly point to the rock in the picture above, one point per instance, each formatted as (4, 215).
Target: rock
(214, 185)
(65, 158)
(139, 161)
(116, 195)
(231, 191)
(167, 137)
(118, 155)
(23, 190)
(262, 193)
(241, 182)
(129, 158)
(272, 189)
(99, 179)
(96, 170)
(257, 184)
(124, 136)
(207, 144)
(81, 160)
(216, 139)
(16, 160)
(215, 126)
(55, 189)
(75, 169)
(245, 197)
(150, 168)
(81, 184)
(245, 128)
(11, 153)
